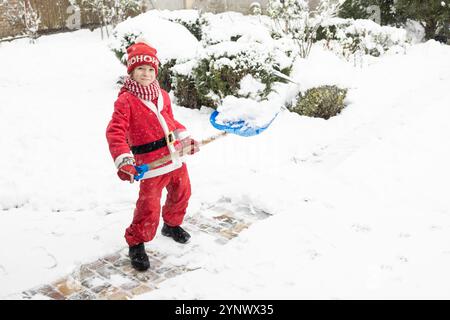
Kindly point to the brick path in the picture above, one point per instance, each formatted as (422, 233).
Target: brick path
(112, 277)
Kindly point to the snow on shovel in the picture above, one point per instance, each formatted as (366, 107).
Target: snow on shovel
(240, 116)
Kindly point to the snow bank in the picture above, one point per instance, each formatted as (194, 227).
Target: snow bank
(171, 39)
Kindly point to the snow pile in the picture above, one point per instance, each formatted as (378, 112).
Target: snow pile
(230, 26)
(254, 114)
(183, 45)
(251, 87)
(315, 70)
(186, 16)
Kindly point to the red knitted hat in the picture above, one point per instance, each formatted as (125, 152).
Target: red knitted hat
(141, 53)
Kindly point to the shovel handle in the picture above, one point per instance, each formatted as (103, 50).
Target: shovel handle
(213, 138)
(142, 169)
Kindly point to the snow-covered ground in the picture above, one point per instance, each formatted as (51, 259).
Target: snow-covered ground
(359, 203)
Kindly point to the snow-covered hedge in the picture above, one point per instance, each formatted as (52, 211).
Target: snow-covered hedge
(241, 68)
(349, 37)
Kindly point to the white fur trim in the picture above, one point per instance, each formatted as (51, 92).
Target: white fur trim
(163, 170)
(120, 158)
(176, 161)
(162, 121)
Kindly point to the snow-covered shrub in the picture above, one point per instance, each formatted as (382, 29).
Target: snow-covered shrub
(296, 19)
(350, 38)
(148, 25)
(22, 14)
(320, 102)
(231, 26)
(191, 19)
(433, 15)
(126, 40)
(188, 94)
(194, 27)
(380, 11)
(255, 9)
(240, 68)
(165, 74)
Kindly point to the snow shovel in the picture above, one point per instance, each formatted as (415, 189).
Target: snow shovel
(239, 128)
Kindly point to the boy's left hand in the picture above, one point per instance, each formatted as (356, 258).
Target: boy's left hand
(189, 146)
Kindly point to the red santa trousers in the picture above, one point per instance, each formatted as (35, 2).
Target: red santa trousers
(148, 206)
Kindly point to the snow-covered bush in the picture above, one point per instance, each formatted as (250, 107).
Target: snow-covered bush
(255, 8)
(296, 19)
(239, 68)
(351, 38)
(148, 25)
(433, 15)
(21, 14)
(190, 19)
(321, 102)
(230, 26)
(123, 42)
(380, 11)
(187, 93)
(165, 74)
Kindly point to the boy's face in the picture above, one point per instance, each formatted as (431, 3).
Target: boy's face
(144, 75)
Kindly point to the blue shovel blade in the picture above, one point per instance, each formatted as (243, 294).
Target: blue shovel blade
(238, 127)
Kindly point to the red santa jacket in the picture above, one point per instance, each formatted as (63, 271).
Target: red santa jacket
(133, 123)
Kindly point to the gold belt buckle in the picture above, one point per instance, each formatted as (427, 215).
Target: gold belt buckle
(170, 138)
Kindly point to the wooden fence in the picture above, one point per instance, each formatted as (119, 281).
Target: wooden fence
(55, 14)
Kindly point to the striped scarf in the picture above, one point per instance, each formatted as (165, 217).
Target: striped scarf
(148, 93)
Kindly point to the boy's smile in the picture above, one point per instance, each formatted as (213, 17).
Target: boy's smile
(144, 75)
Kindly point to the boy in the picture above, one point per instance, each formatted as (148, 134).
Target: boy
(143, 129)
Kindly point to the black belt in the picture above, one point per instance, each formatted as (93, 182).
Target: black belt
(149, 147)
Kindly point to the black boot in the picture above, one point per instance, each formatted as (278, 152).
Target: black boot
(176, 233)
(139, 258)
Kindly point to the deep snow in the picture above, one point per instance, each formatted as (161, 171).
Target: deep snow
(359, 202)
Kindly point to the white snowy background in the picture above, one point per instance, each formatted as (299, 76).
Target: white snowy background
(359, 203)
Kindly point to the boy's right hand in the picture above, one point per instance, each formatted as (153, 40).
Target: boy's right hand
(126, 170)
(127, 173)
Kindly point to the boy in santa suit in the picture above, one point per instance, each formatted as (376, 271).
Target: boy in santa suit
(142, 130)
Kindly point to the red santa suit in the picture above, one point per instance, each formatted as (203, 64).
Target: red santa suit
(136, 124)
